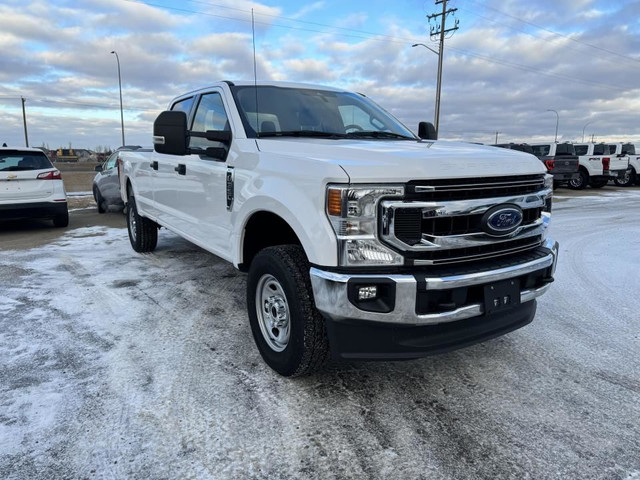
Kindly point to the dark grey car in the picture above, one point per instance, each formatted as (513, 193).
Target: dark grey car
(106, 187)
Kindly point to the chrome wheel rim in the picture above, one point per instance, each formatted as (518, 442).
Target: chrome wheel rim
(273, 313)
(132, 223)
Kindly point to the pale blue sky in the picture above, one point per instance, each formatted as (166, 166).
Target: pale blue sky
(510, 61)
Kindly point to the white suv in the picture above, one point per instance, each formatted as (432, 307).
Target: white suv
(30, 187)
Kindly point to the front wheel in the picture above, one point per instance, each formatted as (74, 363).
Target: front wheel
(628, 179)
(99, 200)
(143, 233)
(288, 330)
(580, 182)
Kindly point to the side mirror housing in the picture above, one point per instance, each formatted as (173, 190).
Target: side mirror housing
(427, 131)
(170, 133)
(98, 168)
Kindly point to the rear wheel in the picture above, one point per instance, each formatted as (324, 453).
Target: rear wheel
(143, 233)
(99, 200)
(581, 182)
(288, 330)
(628, 179)
(61, 220)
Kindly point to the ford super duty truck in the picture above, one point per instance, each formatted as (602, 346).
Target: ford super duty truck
(560, 159)
(361, 240)
(597, 165)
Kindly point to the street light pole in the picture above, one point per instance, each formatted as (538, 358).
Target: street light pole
(24, 120)
(557, 122)
(120, 85)
(583, 128)
(437, 108)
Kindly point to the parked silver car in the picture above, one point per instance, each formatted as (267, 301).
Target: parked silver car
(106, 187)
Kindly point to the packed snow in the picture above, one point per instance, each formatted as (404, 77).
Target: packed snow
(120, 365)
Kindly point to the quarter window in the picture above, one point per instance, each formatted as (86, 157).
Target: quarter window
(183, 105)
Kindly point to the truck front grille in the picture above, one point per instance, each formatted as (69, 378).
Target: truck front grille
(440, 221)
(473, 188)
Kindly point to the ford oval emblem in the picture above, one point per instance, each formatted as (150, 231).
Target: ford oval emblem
(502, 220)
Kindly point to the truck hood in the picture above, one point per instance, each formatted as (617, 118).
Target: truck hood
(401, 161)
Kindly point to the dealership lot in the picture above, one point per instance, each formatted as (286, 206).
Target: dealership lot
(120, 365)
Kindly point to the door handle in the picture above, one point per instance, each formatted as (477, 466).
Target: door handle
(154, 165)
(181, 169)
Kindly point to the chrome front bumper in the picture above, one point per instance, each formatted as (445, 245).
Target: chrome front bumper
(330, 292)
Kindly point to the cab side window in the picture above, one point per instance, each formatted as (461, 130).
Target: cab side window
(210, 115)
(111, 162)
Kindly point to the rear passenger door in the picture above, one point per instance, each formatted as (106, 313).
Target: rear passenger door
(165, 179)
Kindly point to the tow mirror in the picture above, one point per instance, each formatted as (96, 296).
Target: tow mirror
(427, 131)
(170, 133)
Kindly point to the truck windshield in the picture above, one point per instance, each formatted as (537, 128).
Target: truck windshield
(302, 112)
(15, 160)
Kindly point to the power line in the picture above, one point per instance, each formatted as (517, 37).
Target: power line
(568, 37)
(389, 39)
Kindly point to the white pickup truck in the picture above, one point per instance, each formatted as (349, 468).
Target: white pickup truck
(361, 240)
(597, 165)
(626, 150)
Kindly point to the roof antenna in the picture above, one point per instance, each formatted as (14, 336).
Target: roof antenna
(255, 74)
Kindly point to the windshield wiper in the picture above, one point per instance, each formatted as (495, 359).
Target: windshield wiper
(378, 134)
(301, 133)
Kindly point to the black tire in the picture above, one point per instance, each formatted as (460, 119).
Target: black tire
(307, 347)
(99, 200)
(628, 179)
(61, 220)
(599, 183)
(143, 233)
(581, 182)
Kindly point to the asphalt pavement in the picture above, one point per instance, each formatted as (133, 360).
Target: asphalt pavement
(120, 365)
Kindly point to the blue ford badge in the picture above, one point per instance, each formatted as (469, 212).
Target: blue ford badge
(502, 220)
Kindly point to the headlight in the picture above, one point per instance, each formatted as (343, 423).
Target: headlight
(548, 181)
(352, 212)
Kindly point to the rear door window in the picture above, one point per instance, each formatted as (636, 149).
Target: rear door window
(18, 161)
(628, 149)
(581, 149)
(600, 149)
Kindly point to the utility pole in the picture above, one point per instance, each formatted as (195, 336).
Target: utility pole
(439, 29)
(24, 120)
(497, 133)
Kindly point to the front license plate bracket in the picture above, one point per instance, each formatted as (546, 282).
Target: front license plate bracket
(501, 296)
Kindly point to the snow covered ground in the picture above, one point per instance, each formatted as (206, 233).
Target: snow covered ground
(120, 365)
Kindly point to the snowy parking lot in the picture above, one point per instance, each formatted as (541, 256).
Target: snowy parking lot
(120, 365)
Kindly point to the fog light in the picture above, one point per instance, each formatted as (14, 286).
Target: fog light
(367, 293)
